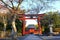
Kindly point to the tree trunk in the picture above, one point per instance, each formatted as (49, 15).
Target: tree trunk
(4, 29)
(13, 25)
(14, 29)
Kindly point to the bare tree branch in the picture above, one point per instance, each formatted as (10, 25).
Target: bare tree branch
(44, 3)
(12, 9)
(5, 4)
(19, 4)
(12, 3)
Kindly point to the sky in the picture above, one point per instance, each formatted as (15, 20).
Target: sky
(35, 5)
(29, 5)
(57, 5)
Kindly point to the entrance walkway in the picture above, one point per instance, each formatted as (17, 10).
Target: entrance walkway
(37, 37)
(30, 37)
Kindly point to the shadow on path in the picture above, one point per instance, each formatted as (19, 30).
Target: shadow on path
(29, 37)
(38, 37)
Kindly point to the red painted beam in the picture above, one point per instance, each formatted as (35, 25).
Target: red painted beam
(28, 18)
(31, 14)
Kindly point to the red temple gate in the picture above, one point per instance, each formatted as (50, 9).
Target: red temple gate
(31, 16)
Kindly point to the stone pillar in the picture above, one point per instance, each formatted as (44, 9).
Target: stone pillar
(51, 29)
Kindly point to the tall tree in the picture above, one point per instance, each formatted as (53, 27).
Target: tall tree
(51, 19)
(3, 17)
(14, 10)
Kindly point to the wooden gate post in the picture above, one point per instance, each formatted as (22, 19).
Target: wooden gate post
(39, 25)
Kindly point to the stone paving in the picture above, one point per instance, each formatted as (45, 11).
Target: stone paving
(50, 37)
(30, 37)
(35, 37)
